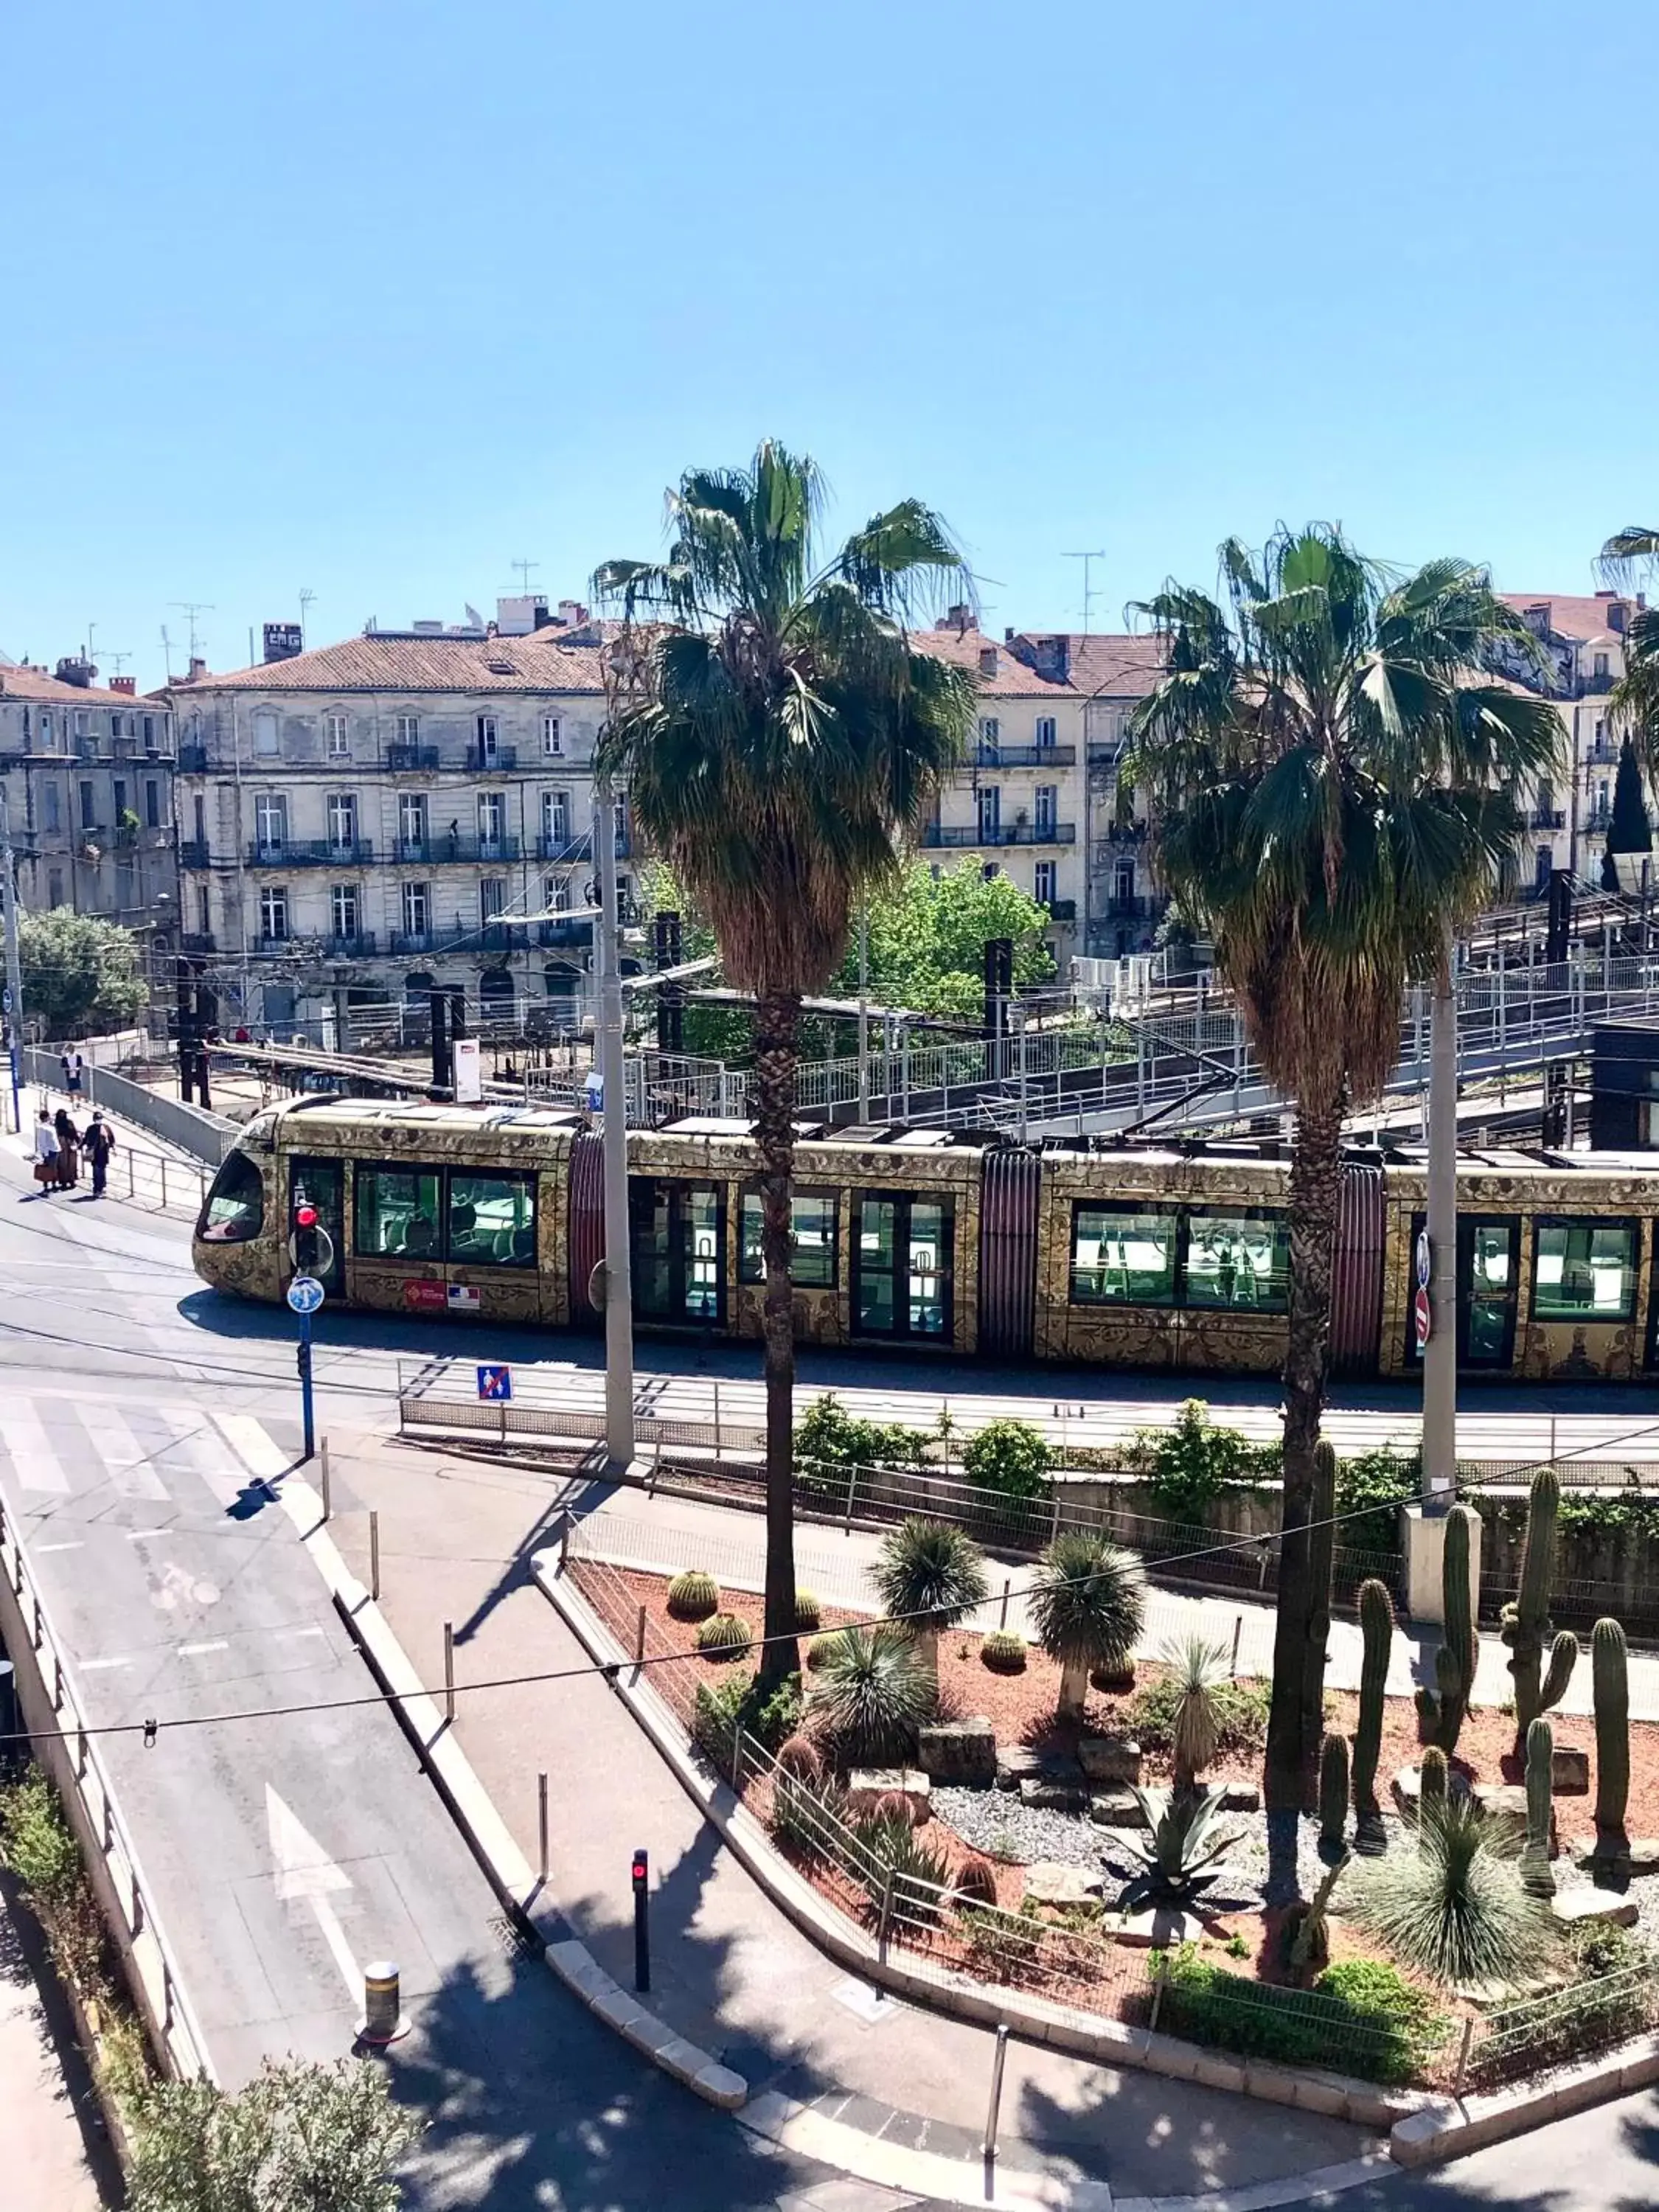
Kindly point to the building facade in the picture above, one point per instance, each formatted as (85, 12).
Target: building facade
(87, 774)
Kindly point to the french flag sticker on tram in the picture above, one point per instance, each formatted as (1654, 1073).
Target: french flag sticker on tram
(463, 1298)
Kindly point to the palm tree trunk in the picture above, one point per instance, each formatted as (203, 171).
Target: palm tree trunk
(1294, 1729)
(777, 1049)
(927, 1651)
(1073, 1688)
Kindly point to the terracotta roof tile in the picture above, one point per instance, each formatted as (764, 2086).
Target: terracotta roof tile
(1111, 663)
(382, 662)
(1583, 619)
(17, 682)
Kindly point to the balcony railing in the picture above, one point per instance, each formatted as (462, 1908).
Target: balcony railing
(957, 835)
(491, 937)
(192, 853)
(1061, 910)
(413, 760)
(198, 940)
(310, 853)
(564, 933)
(192, 760)
(360, 946)
(482, 760)
(1128, 909)
(1597, 684)
(1603, 753)
(1547, 817)
(443, 847)
(1001, 755)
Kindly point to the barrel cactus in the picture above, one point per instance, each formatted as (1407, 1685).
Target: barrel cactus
(1526, 1620)
(1536, 1872)
(1003, 1652)
(1376, 1627)
(693, 1595)
(1332, 1797)
(1437, 1778)
(1440, 1711)
(809, 1614)
(725, 1636)
(1610, 1677)
(975, 1881)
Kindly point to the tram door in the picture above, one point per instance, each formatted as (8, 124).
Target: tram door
(322, 1183)
(1488, 1269)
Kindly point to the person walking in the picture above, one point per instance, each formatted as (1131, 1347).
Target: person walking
(100, 1143)
(46, 1149)
(74, 1070)
(68, 1150)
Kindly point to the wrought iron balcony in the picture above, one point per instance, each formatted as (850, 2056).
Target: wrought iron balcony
(1001, 755)
(413, 760)
(957, 836)
(310, 853)
(192, 853)
(485, 760)
(457, 937)
(1061, 910)
(442, 847)
(359, 946)
(192, 760)
(1547, 818)
(568, 934)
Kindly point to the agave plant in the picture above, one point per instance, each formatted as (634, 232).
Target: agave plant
(1454, 1908)
(929, 1576)
(873, 1692)
(1198, 1667)
(1087, 1602)
(1183, 1843)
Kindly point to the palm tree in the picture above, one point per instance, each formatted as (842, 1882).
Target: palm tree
(1332, 784)
(929, 1575)
(781, 741)
(1087, 1601)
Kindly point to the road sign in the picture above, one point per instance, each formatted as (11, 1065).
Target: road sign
(323, 1249)
(1425, 1259)
(494, 1385)
(305, 1294)
(1422, 1323)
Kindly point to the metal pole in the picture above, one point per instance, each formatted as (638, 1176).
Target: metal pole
(449, 1671)
(375, 1556)
(304, 1359)
(328, 1487)
(864, 999)
(1238, 1630)
(541, 1820)
(619, 1286)
(989, 2148)
(14, 969)
(1440, 1353)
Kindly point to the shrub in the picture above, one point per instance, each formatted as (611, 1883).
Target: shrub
(873, 1693)
(771, 1717)
(1454, 1908)
(725, 1636)
(1198, 1667)
(828, 1440)
(693, 1595)
(1001, 1946)
(1241, 1715)
(1362, 2017)
(1012, 1458)
(1003, 1652)
(976, 1882)
(918, 1870)
(1186, 1466)
(36, 1842)
(808, 1612)
(1372, 1487)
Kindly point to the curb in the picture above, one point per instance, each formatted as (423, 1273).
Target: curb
(503, 1863)
(1452, 2126)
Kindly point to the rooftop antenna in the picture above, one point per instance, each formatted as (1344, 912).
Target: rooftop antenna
(90, 627)
(1088, 561)
(524, 568)
(166, 652)
(119, 659)
(307, 595)
(192, 608)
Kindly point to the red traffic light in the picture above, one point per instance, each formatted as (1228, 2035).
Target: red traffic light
(639, 1870)
(305, 1216)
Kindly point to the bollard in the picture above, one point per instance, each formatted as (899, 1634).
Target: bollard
(1238, 1630)
(1007, 1587)
(641, 1880)
(164, 1182)
(639, 1643)
(564, 1544)
(383, 2020)
(328, 1487)
(449, 1672)
(1463, 2056)
(989, 2148)
(541, 1819)
(884, 1923)
(375, 1556)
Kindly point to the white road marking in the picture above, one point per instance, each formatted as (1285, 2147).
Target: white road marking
(178, 1587)
(75, 1546)
(292, 1635)
(302, 1870)
(251, 1443)
(88, 1664)
(144, 1535)
(193, 1650)
(125, 1461)
(24, 1434)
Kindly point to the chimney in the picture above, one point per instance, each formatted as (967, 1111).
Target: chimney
(988, 661)
(197, 668)
(1008, 634)
(573, 615)
(126, 686)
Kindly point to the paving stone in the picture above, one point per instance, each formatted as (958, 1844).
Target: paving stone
(1241, 1798)
(1049, 1882)
(1117, 1809)
(865, 1784)
(964, 1753)
(1109, 1758)
(1575, 1906)
(1017, 1763)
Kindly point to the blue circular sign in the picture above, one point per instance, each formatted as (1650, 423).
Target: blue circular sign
(305, 1294)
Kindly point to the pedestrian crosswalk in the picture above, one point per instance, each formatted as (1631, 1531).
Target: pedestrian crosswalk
(56, 1450)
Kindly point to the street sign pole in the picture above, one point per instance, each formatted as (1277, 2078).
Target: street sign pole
(14, 969)
(305, 1384)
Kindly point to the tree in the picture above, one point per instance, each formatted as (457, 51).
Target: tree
(1630, 831)
(1087, 1602)
(297, 2138)
(781, 741)
(1331, 785)
(78, 972)
(928, 934)
(929, 1576)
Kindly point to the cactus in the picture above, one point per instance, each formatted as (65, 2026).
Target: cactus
(809, 1614)
(1526, 1620)
(693, 1595)
(725, 1636)
(1376, 1624)
(975, 1881)
(1535, 1873)
(1307, 1931)
(1332, 1797)
(1440, 1711)
(1611, 1679)
(1003, 1652)
(1436, 1776)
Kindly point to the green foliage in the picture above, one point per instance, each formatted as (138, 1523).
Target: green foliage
(927, 938)
(1360, 2017)
(37, 1843)
(1240, 1708)
(1526, 1622)
(1371, 1489)
(1003, 1652)
(1236, 1948)
(929, 1575)
(771, 1717)
(874, 1691)
(829, 1441)
(1535, 1872)
(693, 1595)
(818, 1650)
(1305, 1932)
(1087, 1600)
(1013, 1458)
(1182, 1842)
(297, 2138)
(725, 1636)
(1189, 1465)
(1454, 1909)
(1198, 1669)
(919, 1868)
(79, 972)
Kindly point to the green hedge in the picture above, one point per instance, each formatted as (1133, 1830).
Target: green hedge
(1358, 2018)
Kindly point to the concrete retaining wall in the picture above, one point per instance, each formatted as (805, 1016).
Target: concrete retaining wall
(204, 1136)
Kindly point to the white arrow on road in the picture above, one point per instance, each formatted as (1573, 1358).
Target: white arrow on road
(303, 1871)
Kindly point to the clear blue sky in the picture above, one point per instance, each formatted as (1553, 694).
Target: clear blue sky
(375, 299)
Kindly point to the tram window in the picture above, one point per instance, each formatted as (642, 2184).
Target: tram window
(1238, 1259)
(813, 1220)
(398, 1212)
(492, 1220)
(877, 1219)
(930, 1261)
(1121, 1257)
(676, 1232)
(1584, 1271)
(902, 1271)
(235, 1208)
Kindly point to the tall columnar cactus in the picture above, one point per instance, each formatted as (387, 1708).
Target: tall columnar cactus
(1440, 1711)
(1610, 1677)
(1376, 1627)
(1321, 1552)
(1536, 1872)
(1333, 1797)
(1526, 1621)
(1436, 1776)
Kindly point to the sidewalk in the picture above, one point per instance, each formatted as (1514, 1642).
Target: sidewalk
(145, 1169)
(44, 2152)
(730, 1971)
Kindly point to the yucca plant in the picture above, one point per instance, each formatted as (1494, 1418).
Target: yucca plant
(1087, 1602)
(873, 1693)
(1183, 1843)
(1454, 1909)
(929, 1576)
(1198, 1666)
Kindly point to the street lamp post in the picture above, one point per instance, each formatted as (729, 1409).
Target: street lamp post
(14, 969)
(619, 1286)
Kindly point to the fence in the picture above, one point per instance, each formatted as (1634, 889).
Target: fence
(204, 1136)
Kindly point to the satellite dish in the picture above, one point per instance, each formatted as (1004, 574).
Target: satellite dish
(473, 617)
